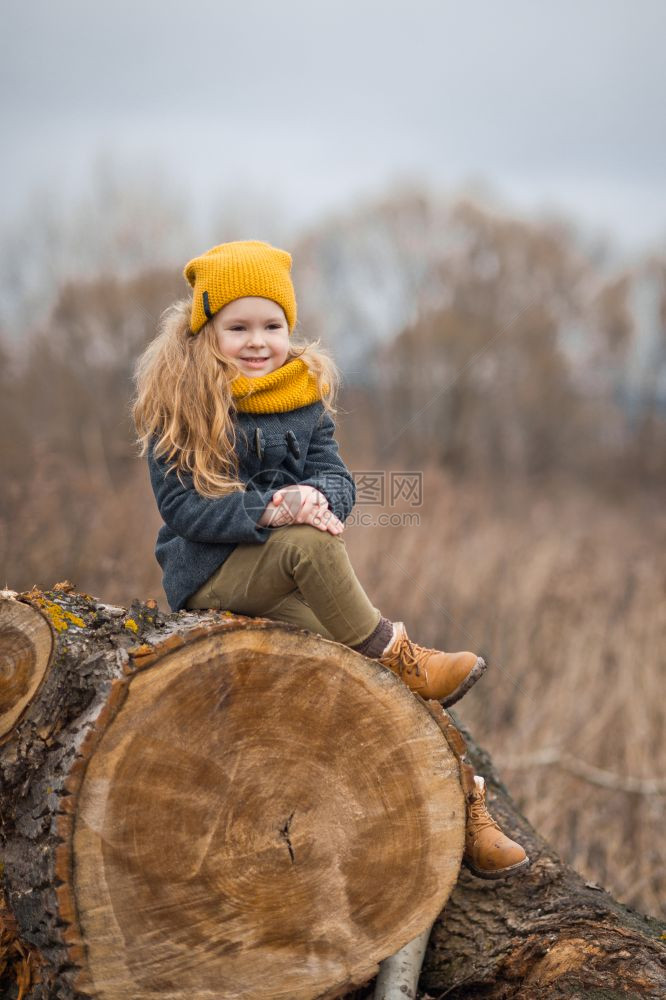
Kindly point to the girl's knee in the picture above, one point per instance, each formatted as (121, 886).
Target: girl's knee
(309, 537)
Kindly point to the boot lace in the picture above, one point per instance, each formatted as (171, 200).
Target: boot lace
(404, 655)
(478, 814)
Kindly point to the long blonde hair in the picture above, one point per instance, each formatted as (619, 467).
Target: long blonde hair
(183, 399)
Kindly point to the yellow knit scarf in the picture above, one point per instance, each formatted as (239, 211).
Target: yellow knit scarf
(287, 388)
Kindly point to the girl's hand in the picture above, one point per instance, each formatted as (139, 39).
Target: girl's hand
(315, 511)
(301, 504)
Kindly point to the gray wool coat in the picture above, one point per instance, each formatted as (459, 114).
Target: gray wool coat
(274, 450)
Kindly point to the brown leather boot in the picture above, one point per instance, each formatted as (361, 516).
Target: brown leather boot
(489, 853)
(446, 677)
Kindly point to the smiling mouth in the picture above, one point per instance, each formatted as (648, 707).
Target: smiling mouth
(254, 359)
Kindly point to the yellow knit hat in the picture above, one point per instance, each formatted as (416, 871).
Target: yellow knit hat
(233, 270)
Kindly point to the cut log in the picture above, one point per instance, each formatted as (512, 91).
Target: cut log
(26, 645)
(399, 975)
(548, 934)
(208, 805)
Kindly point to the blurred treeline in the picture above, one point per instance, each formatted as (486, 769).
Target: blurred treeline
(523, 372)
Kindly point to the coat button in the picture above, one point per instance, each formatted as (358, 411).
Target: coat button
(293, 444)
(259, 443)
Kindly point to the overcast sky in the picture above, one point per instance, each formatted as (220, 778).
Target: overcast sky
(311, 104)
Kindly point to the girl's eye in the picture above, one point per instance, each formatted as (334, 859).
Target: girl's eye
(272, 326)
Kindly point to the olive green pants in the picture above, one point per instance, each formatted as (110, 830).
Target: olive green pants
(300, 575)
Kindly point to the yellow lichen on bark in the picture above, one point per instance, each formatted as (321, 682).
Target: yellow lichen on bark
(59, 617)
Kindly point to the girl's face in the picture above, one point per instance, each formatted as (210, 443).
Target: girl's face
(254, 332)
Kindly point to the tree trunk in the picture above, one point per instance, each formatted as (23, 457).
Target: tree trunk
(205, 805)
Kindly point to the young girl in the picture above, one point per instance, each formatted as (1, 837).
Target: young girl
(236, 419)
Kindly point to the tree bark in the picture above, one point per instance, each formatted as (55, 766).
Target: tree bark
(204, 805)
